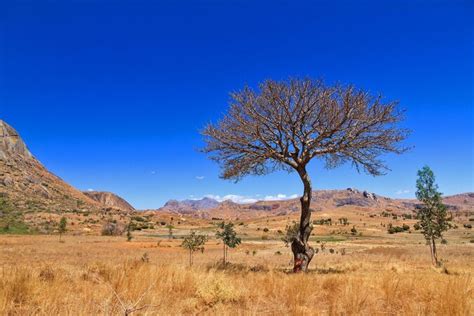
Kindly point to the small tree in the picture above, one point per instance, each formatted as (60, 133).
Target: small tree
(194, 242)
(62, 226)
(129, 231)
(170, 231)
(229, 238)
(432, 216)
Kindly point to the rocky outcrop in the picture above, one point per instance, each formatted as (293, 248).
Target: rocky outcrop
(369, 195)
(11, 145)
(109, 199)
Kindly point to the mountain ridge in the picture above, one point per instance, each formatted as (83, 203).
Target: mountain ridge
(322, 200)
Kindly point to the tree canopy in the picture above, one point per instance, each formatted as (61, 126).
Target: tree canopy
(287, 123)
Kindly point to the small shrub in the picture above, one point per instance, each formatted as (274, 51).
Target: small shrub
(394, 229)
(111, 229)
(145, 258)
(343, 221)
(353, 230)
(215, 290)
(323, 221)
(47, 274)
(138, 219)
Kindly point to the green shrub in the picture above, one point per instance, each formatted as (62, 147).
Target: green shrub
(394, 229)
(138, 219)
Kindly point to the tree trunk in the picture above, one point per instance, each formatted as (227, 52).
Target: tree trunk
(435, 255)
(224, 253)
(190, 257)
(431, 250)
(302, 252)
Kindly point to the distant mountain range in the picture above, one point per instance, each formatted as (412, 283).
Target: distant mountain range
(186, 206)
(323, 200)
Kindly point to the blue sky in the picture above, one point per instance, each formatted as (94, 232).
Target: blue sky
(111, 95)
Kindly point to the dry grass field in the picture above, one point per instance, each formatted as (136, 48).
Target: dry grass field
(95, 275)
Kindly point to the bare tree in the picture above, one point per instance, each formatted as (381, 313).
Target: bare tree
(286, 124)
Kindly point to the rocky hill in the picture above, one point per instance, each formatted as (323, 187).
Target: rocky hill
(33, 199)
(109, 199)
(28, 185)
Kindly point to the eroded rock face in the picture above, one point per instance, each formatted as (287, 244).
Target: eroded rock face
(11, 144)
(369, 195)
(110, 199)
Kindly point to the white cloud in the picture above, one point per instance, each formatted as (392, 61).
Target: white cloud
(280, 197)
(400, 192)
(199, 177)
(90, 190)
(233, 197)
(242, 199)
(153, 172)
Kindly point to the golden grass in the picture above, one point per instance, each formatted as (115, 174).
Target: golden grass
(41, 276)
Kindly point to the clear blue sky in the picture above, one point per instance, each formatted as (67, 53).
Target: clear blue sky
(111, 95)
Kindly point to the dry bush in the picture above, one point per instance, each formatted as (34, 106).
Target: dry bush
(217, 289)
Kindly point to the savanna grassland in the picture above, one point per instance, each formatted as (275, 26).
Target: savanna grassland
(368, 273)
